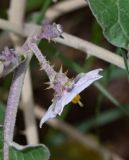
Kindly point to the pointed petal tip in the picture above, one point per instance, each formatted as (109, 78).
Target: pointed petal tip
(48, 115)
(100, 69)
(96, 71)
(41, 123)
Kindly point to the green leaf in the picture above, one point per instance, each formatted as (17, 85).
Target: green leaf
(31, 4)
(125, 62)
(28, 152)
(104, 118)
(2, 112)
(113, 16)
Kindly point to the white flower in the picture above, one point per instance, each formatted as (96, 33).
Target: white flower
(81, 82)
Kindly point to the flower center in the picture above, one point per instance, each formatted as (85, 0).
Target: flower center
(77, 100)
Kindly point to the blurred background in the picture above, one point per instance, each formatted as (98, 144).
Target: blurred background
(103, 119)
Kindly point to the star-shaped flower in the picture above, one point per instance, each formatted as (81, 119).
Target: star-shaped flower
(71, 89)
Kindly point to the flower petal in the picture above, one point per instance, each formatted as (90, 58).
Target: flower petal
(55, 109)
(48, 115)
(85, 80)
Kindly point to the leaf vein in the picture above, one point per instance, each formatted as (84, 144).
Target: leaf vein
(119, 19)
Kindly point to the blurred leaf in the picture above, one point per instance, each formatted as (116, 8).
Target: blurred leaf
(113, 17)
(111, 98)
(38, 16)
(103, 119)
(31, 4)
(72, 150)
(43, 11)
(29, 152)
(96, 33)
(2, 112)
(125, 62)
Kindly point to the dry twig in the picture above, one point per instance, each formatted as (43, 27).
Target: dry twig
(64, 7)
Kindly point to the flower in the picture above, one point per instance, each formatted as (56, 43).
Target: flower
(9, 57)
(71, 89)
(50, 30)
(10, 60)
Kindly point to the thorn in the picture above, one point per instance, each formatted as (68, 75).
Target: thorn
(49, 87)
(47, 83)
(61, 70)
(54, 41)
(1, 126)
(41, 69)
(88, 56)
(45, 57)
(49, 40)
(53, 65)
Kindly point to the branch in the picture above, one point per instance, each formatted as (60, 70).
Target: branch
(12, 105)
(64, 7)
(17, 81)
(16, 16)
(71, 41)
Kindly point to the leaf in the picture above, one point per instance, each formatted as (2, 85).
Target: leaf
(28, 152)
(125, 62)
(2, 112)
(113, 16)
(31, 4)
(104, 118)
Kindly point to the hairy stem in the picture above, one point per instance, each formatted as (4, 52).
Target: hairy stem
(42, 60)
(12, 105)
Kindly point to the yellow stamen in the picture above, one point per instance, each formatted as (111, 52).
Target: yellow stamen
(80, 104)
(77, 100)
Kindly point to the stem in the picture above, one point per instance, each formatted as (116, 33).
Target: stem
(16, 16)
(71, 41)
(42, 60)
(63, 7)
(12, 105)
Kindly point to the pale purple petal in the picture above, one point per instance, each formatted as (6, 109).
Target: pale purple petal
(55, 109)
(86, 80)
(48, 115)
